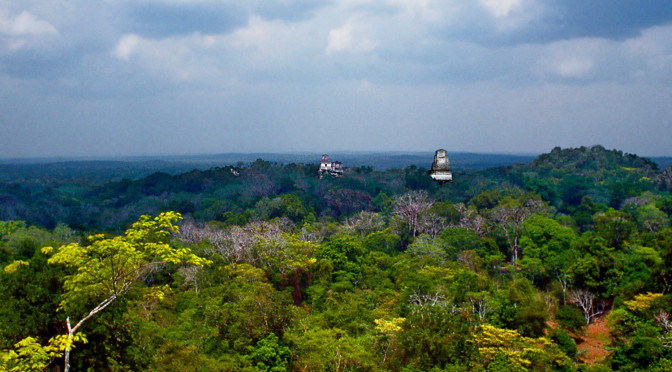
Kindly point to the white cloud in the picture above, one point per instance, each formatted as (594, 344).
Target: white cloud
(574, 59)
(24, 30)
(653, 41)
(340, 39)
(270, 48)
(178, 58)
(25, 24)
(126, 46)
(651, 52)
(349, 38)
(256, 34)
(574, 66)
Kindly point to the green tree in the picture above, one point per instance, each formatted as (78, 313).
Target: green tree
(509, 216)
(383, 241)
(435, 334)
(573, 188)
(328, 349)
(346, 253)
(595, 267)
(548, 251)
(270, 354)
(616, 227)
(105, 269)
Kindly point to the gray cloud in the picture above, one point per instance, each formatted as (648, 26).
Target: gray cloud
(160, 20)
(168, 76)
(619, 19)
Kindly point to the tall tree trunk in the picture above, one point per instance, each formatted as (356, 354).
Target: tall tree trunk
(71, 330)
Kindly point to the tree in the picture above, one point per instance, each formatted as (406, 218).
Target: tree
(328, 349)
(498, 346)
(270, 354)
(435, 334)
(432, 224)
(509, 217)
(29, 355)
(105, 269)
(471, 220)
(387, 334)
(615, 227)
(548, 250)
(365, 223)
(586, 301)
(595, 267)
(409, 206)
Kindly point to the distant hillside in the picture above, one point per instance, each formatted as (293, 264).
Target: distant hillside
(565, 176)
(593, 160)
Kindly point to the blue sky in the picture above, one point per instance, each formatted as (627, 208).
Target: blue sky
(170, 77)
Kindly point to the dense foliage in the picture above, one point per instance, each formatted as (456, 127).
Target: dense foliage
(274, 269)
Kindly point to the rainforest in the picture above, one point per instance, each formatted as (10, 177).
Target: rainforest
(561, 262)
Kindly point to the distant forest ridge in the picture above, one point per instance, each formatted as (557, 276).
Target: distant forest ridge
(104, 170)
(138, 167)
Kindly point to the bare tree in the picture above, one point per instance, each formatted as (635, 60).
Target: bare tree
(663, 318)
(565, 281)
(421, 302)
(471, 220)
(190, 275)
(431, 224)
(590, 307)
(480, 306)
(510, 217)
(409, 206)
(364, 223)
(235, 244)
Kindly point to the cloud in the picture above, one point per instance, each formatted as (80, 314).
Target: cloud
(23, 30)
(490, 74)
(643, 58)
(348, 38)
(126, 46)
(164, 19)
(650, 54)
(572, 59)
(26, 24)
(501, 8)
(177, 58)
(574, 67)
(613, 20)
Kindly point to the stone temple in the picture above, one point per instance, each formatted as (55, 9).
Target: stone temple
(440, 171)
(332, 168)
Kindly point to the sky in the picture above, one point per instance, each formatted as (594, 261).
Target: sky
(103, 78)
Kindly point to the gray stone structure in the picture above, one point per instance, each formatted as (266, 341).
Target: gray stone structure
(332, 168)
(440, 171)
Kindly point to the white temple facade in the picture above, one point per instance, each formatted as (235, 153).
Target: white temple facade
(332, 168)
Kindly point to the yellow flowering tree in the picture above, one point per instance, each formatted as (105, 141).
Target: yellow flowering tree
(520, 353)
(105, 268)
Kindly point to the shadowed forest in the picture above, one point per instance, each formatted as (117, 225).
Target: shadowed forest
(560, 263)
